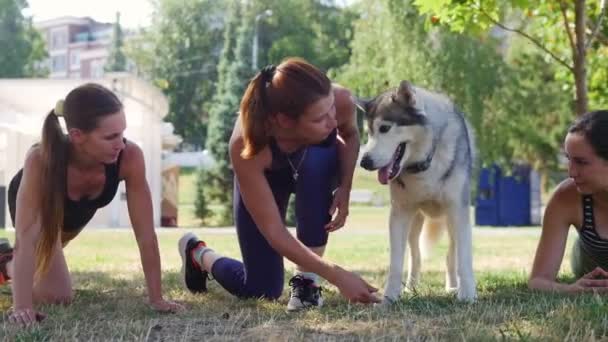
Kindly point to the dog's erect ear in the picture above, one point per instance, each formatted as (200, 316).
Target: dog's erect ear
(362, 104)
(405, 93)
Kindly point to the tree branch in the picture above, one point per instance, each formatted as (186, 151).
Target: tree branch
(602, 39)
(563, 9)
(527, 36)
(599, 24)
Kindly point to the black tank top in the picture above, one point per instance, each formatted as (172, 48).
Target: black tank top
(76, 213)
(595, 246)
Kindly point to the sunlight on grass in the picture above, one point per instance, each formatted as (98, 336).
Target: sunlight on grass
(110, 292)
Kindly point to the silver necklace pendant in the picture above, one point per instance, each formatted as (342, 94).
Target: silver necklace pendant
(294, 169)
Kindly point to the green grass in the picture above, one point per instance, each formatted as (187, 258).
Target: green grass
(110, 293)
(363, 180)
(110, 299)
(187, 185)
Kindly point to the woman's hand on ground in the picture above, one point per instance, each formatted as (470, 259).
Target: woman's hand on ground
(167, 306)
(355, 289)
(25, 317)
(594, 281)
(340, 203)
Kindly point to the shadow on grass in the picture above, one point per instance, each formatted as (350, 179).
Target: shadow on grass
(116, 308)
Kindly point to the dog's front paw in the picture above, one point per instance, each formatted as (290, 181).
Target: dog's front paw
(467, 294)
(386, 303)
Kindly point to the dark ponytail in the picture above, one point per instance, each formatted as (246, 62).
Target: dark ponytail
(254, 116)
(54, 148)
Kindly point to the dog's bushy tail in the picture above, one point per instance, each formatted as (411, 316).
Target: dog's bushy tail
(432, 230)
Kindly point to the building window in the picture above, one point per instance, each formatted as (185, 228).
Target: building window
(58, 40)
(74, 59)
(58, 63)
(97, 68)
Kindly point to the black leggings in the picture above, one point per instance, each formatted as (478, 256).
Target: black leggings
(261, 274)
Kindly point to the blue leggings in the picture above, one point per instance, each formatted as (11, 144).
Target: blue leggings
(261, 274)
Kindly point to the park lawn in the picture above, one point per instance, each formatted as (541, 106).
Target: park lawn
(110, 301)
(364, 215)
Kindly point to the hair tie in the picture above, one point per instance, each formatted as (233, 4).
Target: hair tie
(268, 73)
(59, 108)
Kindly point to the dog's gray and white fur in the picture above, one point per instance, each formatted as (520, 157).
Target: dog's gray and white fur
(422, 145)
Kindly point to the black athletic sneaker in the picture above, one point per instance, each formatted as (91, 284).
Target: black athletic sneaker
(304, 294)
(6, 255)
(194, 277)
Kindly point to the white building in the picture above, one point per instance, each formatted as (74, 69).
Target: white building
(25, 102)
(77, 47)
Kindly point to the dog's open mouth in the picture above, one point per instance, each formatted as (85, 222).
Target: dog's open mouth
(393, 168)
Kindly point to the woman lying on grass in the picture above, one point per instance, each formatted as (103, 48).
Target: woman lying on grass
(65, 179)
(580, 201)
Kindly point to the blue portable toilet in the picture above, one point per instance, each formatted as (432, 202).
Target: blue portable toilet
(512, 200)
(486, 203)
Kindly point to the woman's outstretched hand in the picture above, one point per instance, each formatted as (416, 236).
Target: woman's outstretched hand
(354, 288)
(594, 281)
(168, 306)
(25, 317)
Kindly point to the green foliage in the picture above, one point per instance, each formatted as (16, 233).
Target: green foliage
(290, 217)
(528, 115)
(179, 53)
(234, 70)
(201, 208)
(23, 47)
(116, 60)
(516, 105)
(318, 31)
(542, 21)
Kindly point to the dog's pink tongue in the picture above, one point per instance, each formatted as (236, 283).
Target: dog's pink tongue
(383, 175)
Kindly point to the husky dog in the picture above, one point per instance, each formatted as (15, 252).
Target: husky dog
(422, 145)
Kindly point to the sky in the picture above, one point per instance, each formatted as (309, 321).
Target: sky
(133, 13)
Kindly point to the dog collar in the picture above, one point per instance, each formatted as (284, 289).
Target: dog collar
(420, 166)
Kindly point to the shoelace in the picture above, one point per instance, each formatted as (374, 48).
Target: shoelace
(303, 287)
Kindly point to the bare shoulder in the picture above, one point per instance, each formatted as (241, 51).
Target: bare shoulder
(341, 93)
(236, 146)
(259, 162)
(33, 160)
(566, 192)
(131, 151)
(345, 106)
(564, 202)
(343, 97)
(132, 161)
(31, 181)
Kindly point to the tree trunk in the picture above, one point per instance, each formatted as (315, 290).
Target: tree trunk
(580, 59)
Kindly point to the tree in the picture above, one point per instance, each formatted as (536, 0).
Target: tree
(201, 207)
(180, 57)
(319, 33)
(234, 71)
(514, 109)
(116, 60)
(23, 49)
(576, 23)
